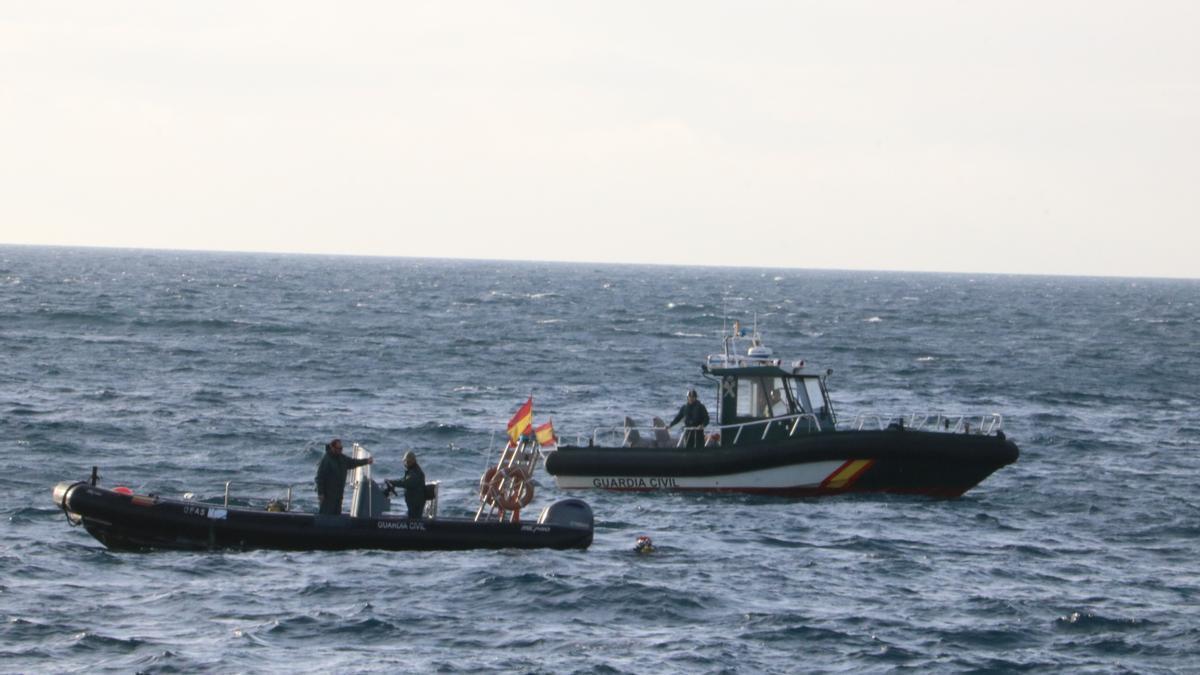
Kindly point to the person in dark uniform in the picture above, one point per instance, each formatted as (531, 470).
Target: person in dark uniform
(331, 477)
(695, 417)
(414, 486)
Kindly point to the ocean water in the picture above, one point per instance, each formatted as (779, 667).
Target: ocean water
(176, 372)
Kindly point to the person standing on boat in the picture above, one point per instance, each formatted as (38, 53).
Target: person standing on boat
(331, 477)
(695, 417)
(414, 486)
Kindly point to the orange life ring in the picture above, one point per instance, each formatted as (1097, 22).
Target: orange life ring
(486, 489)
(524, 493)
(515, 473)
(512, 488)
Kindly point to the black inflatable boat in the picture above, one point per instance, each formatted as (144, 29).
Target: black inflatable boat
(122, 520)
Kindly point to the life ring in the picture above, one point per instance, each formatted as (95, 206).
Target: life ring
(486, 489)
(515, 473)
(511, 488)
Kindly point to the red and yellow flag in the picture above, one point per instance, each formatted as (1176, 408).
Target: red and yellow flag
(545, 434)
(521, 422)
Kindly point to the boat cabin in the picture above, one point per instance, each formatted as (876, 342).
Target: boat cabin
(758, 398)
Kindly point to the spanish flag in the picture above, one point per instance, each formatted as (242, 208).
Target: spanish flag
(545, 434)
(521, 422)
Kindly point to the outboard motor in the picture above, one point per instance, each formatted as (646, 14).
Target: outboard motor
(568, 513)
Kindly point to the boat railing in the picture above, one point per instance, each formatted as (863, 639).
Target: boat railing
(803, 423)
(283, 504)
(661, 437)
(956, 423)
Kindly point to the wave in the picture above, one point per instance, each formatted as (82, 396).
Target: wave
(788, 627)
(1090, 622)
(438, 428)
(91, 641)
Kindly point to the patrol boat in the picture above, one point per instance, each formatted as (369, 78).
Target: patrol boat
(123, 520)
(777, 433)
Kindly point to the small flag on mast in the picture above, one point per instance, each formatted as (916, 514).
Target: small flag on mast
(545, 434)
(521, 422)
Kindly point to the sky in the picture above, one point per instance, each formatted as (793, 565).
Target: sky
(1011, 136)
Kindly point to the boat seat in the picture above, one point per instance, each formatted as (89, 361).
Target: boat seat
(431, 499)
(633, 439)
(662, 436)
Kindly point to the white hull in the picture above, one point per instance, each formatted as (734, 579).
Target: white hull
(814, 476)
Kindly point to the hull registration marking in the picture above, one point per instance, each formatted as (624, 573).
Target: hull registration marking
(652, 483)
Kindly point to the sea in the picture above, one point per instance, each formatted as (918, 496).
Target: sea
(178, 372)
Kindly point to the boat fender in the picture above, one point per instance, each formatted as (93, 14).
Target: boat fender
(122, 490)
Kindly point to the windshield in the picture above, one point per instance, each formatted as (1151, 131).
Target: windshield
(816, 399)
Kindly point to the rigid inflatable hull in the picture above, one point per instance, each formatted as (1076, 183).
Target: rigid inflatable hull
(895, 461)
(139, 522)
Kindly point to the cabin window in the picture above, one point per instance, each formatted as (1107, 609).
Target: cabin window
(746, 403)
(777, 397)
(812, 387)
(762, 397)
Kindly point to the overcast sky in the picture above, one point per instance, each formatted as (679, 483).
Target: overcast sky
(1028, 137)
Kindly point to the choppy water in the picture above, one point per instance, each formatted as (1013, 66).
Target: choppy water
(177, 372)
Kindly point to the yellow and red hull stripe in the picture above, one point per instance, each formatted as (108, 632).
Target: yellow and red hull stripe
(846, 474)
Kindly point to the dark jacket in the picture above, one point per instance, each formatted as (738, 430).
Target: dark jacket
(692, 414)
(331, 480)
(414, 490)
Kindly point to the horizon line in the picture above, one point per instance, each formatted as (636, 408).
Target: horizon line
(384, 256)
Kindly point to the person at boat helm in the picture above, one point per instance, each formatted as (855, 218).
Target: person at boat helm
(331, 477)
(695, 417)
(414, 486)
